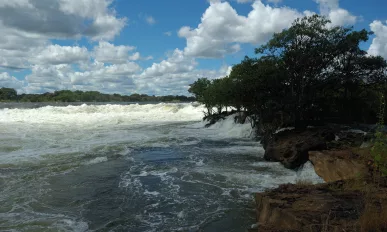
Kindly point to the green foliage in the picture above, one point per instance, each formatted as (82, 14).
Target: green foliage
(308, 74)
(379, 149)
(7, 94)
(88, 96)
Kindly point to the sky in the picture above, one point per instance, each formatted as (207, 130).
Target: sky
(150, 46)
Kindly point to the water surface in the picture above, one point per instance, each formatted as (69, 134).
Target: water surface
(129, 167)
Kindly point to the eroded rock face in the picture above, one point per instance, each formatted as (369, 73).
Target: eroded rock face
(295, 208)
(337, 165)
(291, 147)
(325, 207)
(347, 139)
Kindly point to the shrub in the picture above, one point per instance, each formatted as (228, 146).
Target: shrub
(379, 149)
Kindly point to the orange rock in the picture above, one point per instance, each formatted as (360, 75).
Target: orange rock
(337, 165)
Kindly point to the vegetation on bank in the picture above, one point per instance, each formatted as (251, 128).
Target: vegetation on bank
(8, 94)
(311, 73)
(379, 148)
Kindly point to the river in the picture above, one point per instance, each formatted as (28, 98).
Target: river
(129, 167)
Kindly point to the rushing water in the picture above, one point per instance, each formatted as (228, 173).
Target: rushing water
(111, 167)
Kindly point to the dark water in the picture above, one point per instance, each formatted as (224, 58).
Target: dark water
(128, 168)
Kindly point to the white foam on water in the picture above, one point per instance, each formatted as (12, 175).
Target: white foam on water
(308, 174)
(239, 150)
(97, 115)
(200, 162)
(152, 193)
(227, 128)
(221, 130)
(97, 160)
(71, 225)
(181, 214)
(189, 143)
(30, 134)
(273, 175)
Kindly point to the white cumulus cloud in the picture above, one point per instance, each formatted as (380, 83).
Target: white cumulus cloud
(379, 43)
(150, 20)
(337, 15)
(9, 81)
(222, 28)
(176, 63)
(56, 54)
(109, 53)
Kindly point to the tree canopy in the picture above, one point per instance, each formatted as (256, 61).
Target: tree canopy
(307, 74)
(8, 94)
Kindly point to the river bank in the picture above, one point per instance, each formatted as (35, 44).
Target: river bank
(352, 199)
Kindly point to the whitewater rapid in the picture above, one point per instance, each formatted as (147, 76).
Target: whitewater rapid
(131, 167)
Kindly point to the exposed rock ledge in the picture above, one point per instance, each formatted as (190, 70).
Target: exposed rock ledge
(351, 200)
(337, 165)
(291, 147)
(325, 207)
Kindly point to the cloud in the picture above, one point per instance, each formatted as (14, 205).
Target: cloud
(379, 43)
(90, 18)
(9, 81)
(98, 76)
(248, 1)
(56, 54)
(341, 17)
(176, 83)
(150, 20)
(105, 24)
(337, 15)
(222, 28)
(147, 58)
(27, 26)
(48, 78)
(174, 75)
(275, 1)
(99, 72)
(16, 48)
(244, 1)
(109, 53)
(16, 3)
(177, 62)
(30, 27)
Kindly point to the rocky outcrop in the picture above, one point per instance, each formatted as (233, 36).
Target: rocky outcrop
(306, 208)
(349, 138)
(337, 165)
(353, 199)
(291, 147)
(323, 207)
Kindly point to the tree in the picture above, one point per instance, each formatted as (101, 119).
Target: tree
(308, 51)
(308, 74)
(8, 94)
(198, 87)
(350, 71)
(241, 77)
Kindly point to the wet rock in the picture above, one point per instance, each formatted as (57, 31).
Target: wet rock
(337, 165)
(349, 138)
(291, 147)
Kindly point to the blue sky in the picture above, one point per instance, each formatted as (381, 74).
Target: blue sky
(149, 46)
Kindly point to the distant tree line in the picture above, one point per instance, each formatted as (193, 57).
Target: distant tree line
(309, 74)
(9, 94)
